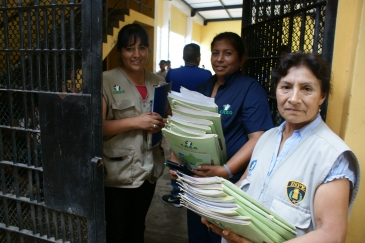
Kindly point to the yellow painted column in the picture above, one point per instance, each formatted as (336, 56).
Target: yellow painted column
(347, 29)
(346, 108)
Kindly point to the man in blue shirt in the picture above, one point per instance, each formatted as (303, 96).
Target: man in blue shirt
(188, 76)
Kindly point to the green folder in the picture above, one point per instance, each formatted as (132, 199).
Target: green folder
(194, 150)
(185, 124)
(184, 131)
(206, 115)
(265, 225)
(196, 103)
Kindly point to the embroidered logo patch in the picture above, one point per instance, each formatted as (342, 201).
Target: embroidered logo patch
(117, 90)
(252, 166)
(226, 110)
(295, 191)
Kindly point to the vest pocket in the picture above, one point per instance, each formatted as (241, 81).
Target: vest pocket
(123, 109)
(118, 166)
(298, 216)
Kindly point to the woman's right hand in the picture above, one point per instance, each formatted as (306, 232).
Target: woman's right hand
(173, 174)
(229, 236)
(150, 122)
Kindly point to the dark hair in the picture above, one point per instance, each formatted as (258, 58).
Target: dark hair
(163, 61)
(168, 62)
(236, 41)
(191, 52)
(130, 33)
(313, 62)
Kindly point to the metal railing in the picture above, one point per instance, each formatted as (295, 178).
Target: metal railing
(272, 28)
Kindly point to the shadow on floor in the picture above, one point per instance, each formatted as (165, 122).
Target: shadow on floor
(165, 223)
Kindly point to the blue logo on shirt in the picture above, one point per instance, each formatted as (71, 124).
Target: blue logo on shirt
(252, 166)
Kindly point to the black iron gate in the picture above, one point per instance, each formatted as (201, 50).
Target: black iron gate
(50, 121)
(272, 28)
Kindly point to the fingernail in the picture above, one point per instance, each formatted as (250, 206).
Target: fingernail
(225, 232)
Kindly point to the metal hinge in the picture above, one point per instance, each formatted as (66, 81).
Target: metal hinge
(96, 161)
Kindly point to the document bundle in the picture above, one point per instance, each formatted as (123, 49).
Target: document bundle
(222, 203)
(194, 131)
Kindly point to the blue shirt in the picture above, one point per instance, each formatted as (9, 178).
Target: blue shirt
(342, 168)
(188, 76)
(244, 109)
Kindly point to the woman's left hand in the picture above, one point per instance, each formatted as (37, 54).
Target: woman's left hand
(229, 236)
(210, 170)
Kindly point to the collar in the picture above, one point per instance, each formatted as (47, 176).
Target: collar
(306, 129)
(227, 79)
(231, 77)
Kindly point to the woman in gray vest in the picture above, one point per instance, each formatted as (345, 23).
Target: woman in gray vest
(302, 170)
(131, 168)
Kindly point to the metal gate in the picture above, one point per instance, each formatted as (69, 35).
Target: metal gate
(272, 28)
(50, 121)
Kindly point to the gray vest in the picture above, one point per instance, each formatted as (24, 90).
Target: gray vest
(290, 190)
(127, 160)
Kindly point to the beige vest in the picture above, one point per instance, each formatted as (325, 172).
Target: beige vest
(292, 185)
(127, 160)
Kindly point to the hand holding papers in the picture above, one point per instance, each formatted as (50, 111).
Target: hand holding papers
(194, 131)
(225, 205)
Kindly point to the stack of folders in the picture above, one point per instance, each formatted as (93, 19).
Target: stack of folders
(194, 131)
(227, 206)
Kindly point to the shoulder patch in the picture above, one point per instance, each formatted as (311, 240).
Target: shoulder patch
(295, 191)
(252, 166)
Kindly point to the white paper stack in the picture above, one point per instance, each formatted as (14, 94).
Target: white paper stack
(227, 206)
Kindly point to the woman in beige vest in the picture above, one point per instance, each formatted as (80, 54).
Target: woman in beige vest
(131, 167)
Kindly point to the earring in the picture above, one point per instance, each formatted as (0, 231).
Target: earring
(319, 110)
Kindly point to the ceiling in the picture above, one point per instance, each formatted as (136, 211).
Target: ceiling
(216, 10)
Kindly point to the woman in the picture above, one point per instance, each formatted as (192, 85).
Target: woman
(304, 155)
(245, 115)
(131, 167)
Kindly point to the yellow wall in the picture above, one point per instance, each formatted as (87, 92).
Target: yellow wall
(209, 31)
(160, 12)
(201, 34)
(346, 108)
(178, 21)
(197, 30)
